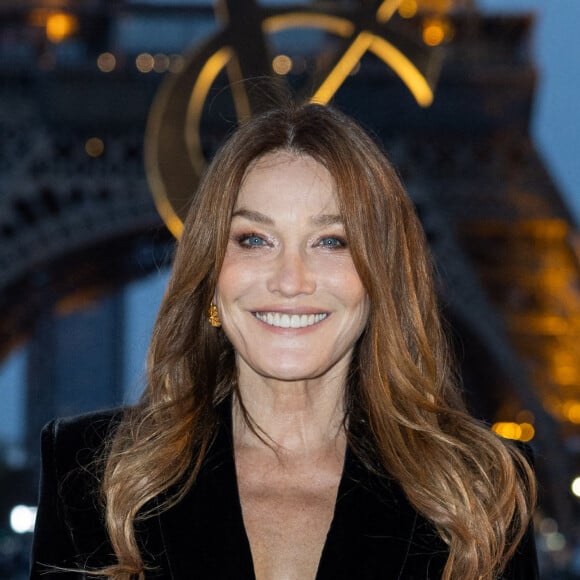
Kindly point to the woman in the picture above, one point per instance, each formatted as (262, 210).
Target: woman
(301, 418)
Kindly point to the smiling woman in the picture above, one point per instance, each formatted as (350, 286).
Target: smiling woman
(301, 419)
(288, 282)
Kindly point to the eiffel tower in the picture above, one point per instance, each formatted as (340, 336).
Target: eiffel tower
(75, 224)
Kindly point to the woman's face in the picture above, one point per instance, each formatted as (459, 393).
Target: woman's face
(288, 295)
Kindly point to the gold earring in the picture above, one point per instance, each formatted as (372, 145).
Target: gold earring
(213, 316)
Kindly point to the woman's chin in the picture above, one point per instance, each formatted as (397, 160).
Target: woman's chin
(292, 369)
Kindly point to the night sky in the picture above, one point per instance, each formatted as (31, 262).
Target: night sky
(556, 122)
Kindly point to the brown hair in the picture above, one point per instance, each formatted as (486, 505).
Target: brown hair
(476, 490)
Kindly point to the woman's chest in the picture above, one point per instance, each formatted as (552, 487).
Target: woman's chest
(287, 527)
(222, 530)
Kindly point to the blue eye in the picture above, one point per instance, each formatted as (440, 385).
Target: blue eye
(332, 243)
(251, 240)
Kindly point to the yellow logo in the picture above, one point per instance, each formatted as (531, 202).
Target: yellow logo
(174, 157)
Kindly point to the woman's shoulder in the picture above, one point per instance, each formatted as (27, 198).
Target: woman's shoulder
(69, 520)
(72, 442)
(95, 423)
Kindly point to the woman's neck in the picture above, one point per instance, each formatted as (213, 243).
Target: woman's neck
(294, 418)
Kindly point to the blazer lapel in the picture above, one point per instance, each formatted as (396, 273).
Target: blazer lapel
(204, 536)
(376, 533)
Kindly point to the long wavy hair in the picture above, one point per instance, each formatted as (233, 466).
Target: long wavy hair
(477, 490)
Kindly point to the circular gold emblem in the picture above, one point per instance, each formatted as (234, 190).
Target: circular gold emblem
(174, 158)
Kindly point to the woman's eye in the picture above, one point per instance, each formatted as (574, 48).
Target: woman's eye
(332, 243)
(251, 240)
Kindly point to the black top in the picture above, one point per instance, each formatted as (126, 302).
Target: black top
(375, 533)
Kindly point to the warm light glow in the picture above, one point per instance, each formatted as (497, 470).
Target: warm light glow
(161, 63)
(282, 64)
(408, 8)
(405, 69)
(544, 324)
(575, 487)
(507, 430)
(94, 147)
(332, 24)
(60, 25)
(106, 62)
(343, 68)
(433, 33)
(571, 411)
(527, 432)
(436, 5)
(387, 9)
(517, 431)
(144, 62)
(566, 375)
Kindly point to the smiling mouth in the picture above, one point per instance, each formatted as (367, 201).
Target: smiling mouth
(290, 320)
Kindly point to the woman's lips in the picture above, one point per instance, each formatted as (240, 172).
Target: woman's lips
(283, 320)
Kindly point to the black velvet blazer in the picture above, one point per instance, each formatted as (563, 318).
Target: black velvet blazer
(375, 533)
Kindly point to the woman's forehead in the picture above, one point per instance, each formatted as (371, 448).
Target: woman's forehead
(288, 181)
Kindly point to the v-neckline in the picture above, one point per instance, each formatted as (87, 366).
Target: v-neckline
(340, 490)
(372, 528)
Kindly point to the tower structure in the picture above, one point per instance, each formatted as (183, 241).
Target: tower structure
(77, 219)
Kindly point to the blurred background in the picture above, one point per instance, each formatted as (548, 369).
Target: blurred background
(475, 102)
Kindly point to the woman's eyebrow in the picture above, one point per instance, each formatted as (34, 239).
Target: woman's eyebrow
(326, 219)
(323, 219)
(254, 216)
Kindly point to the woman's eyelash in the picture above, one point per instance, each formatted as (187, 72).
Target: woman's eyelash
(254, 240)
(250, 240)
(332, 242)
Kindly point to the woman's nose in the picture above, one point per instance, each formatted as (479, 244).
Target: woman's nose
(291, 275)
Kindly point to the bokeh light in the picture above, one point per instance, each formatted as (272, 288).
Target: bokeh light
(516, 431)
(60, 25)
(282, 64)
(575, 487)
(144, 62)
(408, 8)
(106, 62)
(433, 32)
(94, 147)
(22, 518)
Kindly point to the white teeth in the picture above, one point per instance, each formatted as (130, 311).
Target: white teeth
(290, 320)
